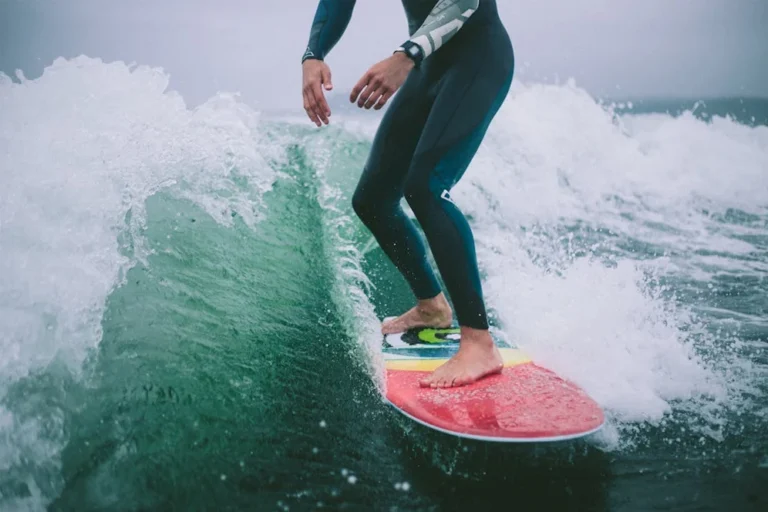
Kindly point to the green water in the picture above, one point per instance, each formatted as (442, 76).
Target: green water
(233, 365)
(226, 380)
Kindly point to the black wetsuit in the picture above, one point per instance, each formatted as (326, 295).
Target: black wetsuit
(427, 138)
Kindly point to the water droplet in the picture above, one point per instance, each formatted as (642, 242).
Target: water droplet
(323, 424)
(223, 477)
(352, 479)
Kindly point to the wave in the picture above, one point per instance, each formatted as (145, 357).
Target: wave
(606, 241)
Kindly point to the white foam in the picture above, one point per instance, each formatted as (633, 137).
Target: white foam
(83, 147)
(351, 286)
(554, 163)
(87, 143)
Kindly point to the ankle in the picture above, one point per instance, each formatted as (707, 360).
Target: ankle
(478, 337)
(433, 306)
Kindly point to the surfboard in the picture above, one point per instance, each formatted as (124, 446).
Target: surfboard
(524, 403)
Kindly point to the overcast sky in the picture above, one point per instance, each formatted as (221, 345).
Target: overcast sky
(616, 48)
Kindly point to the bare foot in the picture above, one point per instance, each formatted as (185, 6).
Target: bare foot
(476, 358)
(434, 312)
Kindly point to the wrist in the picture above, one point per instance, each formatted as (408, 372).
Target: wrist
(310, 61)
(403, 59)
(310, 55)
(412, 52)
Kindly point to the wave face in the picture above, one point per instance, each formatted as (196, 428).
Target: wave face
(189, 306)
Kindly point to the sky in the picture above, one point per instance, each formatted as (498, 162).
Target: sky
(612, 48)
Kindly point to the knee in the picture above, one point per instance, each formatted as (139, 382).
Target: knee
(363, 203)
(359, 202)
(417, 193)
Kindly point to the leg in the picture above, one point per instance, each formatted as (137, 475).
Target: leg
(463, 109)
(377, 202)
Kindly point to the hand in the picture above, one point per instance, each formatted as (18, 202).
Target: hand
(316, 75)
(381, 81)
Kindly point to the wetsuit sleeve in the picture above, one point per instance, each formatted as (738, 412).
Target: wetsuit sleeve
(445, 20)
(331, 20)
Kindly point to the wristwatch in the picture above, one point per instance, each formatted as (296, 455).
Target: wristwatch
(413, 51)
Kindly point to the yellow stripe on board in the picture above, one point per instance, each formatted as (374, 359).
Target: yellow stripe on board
(511, 356)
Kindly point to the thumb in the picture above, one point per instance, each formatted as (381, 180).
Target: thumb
(326, 76)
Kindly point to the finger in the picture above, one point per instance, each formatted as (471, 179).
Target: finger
(383, 100)
(359, 87)
(371, 88)
(322, 106)
(326, 76)
(314, 103)
(374, 98)
(309, 108)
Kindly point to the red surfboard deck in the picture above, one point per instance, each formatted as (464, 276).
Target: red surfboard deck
(524, 403)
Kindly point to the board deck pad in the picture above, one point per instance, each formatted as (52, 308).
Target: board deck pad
(524, 403)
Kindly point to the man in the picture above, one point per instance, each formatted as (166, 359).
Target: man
(455, 71)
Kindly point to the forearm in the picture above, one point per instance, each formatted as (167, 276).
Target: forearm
(445, 20)
(331, 20)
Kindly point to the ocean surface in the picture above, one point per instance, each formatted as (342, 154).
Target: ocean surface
(189, 307)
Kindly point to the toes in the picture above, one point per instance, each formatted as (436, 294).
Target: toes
(391, 326)
(447, 376)
(434, 381)
(459, 380)
(445, 382)
(429, 382)
(388, 329)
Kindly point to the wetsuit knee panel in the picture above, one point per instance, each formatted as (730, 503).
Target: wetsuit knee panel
(364, 202)
(359, 203)
(418, 190)
(369, 201)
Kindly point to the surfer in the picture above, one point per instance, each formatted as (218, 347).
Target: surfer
(452, 74)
